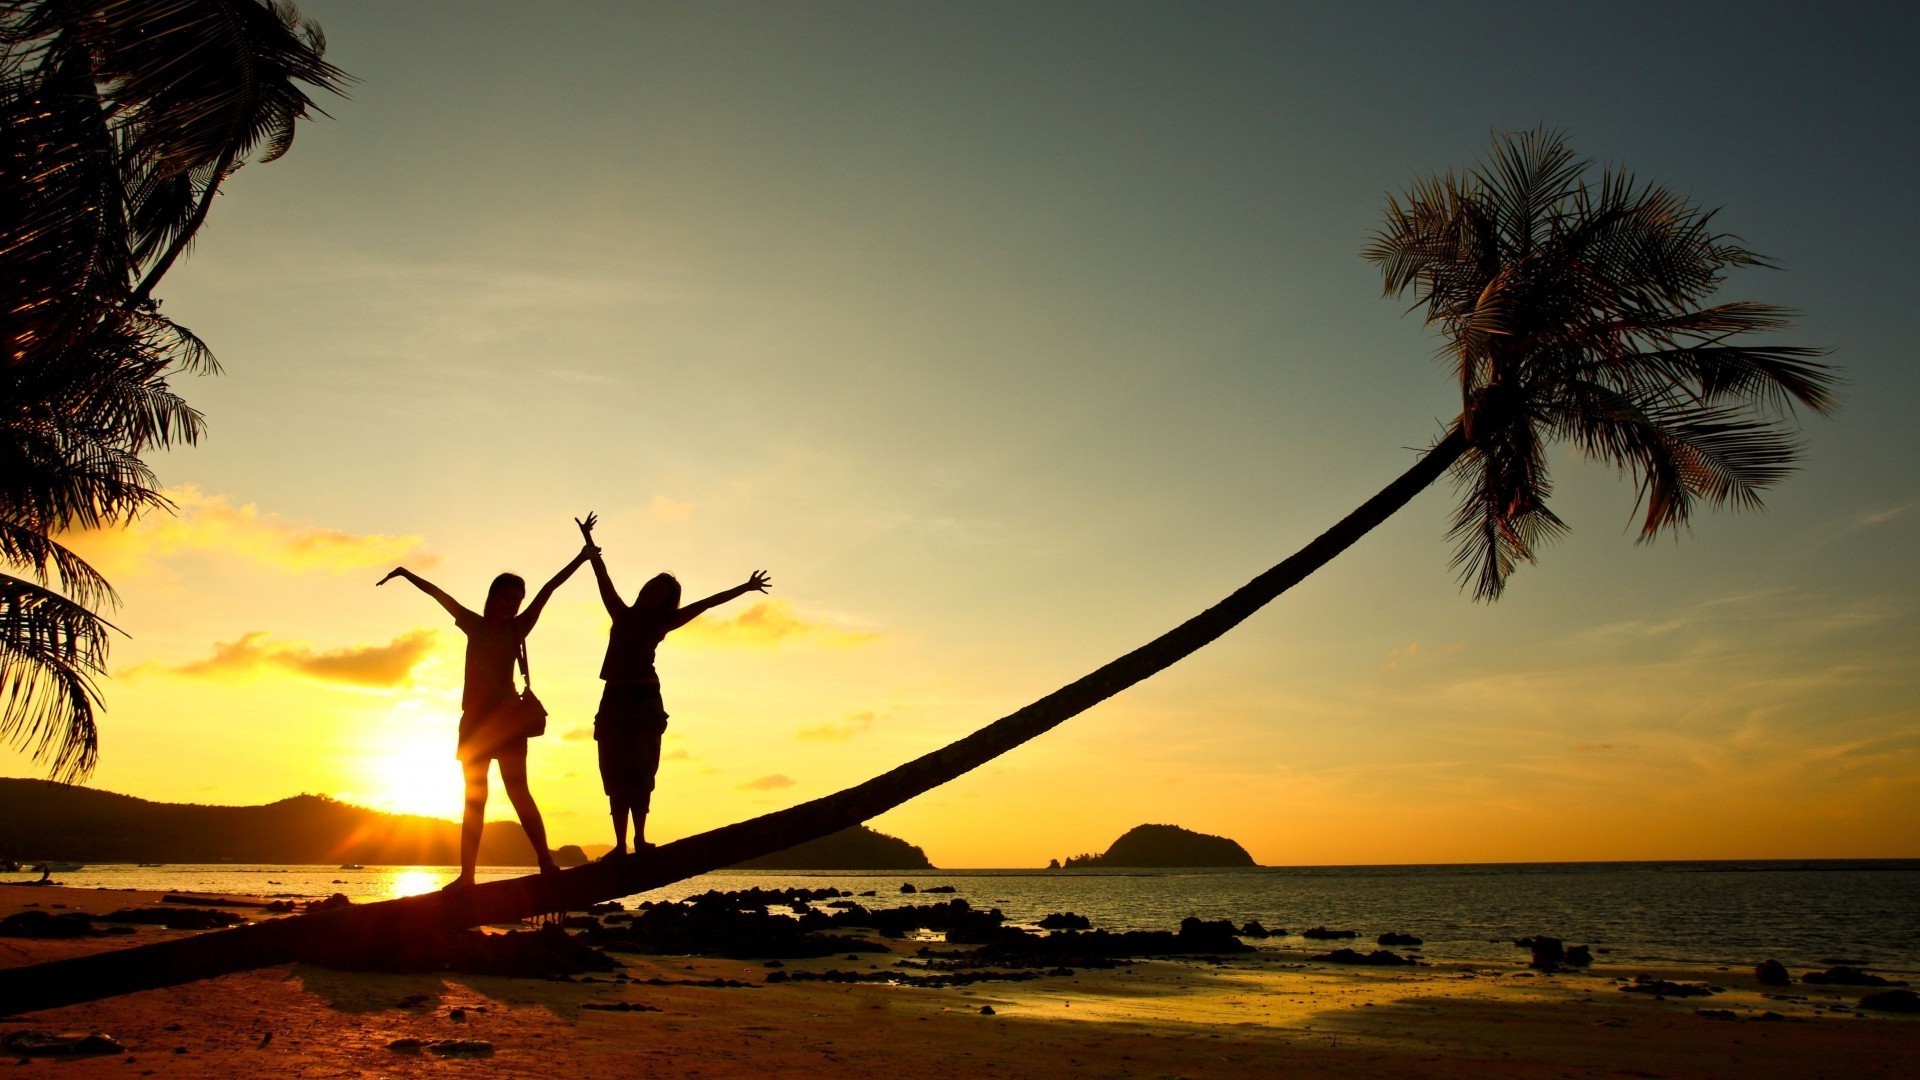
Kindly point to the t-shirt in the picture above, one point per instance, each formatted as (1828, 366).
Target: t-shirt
(492, 647)
(636, 634)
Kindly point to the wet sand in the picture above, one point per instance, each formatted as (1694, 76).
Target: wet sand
(1269, 1013)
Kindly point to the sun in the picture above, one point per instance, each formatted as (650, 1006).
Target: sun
(414, 770)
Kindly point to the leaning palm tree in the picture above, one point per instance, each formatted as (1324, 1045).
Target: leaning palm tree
(118, 121)
(1570, 310)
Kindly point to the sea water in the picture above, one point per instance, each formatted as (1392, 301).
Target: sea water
(1806, 914)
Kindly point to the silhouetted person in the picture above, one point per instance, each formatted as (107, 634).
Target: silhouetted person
(632, 717)
(488, 729)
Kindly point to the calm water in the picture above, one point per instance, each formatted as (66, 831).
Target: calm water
(1804, 913)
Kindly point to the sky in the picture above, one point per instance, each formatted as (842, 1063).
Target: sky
(1005, 337)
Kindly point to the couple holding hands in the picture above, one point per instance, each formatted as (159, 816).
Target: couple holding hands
(495, 721)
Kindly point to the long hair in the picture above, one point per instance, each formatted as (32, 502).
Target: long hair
(660, 593)
(504, 596)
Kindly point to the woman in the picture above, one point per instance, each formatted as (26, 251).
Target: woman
(632, 718)
(489, 728)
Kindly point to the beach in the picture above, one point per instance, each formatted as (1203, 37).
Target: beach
(1263, 1013)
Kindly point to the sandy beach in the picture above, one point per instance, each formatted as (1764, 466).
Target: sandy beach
(1266, 1013)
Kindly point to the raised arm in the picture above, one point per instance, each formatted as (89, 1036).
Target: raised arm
(759, 582)
(453, 606)
(531, 615)
(609, 595)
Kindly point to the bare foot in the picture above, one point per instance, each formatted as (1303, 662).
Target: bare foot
(457, 883)
(613, 854)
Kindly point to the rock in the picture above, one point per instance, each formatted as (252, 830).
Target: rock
(1841, 975)
(26, 1044)
(986, 1010)
(39, 924)
(941, 889)
(1579, 956)
(1376, 958)
(337, 900)
(611, 907)
(1209, 935)
(1391, 938)
(1252, 928)
(1772, 973)
(461, 1048)
(1321, 933)
(1899, 1001)
(1066, 920)
(1548, 952)
(176, 918)
(908, 888)
(1647, 984)
(1716, 1014)
(619, 1006)
(406, 1046)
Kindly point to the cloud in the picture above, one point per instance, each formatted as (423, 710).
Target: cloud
(1884, 516)
(1412, 655)
(854, 725)
(768, 783)
(366, 665)
(769, 623)
(666, 509)
(211, 524)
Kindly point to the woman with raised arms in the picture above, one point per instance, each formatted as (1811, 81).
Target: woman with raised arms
(491, 728)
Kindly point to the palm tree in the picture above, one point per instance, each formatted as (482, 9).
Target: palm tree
(1570, 310)
(118, 121)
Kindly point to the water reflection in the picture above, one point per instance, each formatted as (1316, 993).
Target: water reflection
(413, 883)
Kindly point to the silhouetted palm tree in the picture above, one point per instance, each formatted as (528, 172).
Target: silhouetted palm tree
(1570, 310)
(118, 121)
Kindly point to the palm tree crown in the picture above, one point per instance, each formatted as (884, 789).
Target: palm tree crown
(118, 121)
(1579, 311)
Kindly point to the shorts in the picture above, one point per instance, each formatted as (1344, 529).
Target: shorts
(485, 734)
(629, 726)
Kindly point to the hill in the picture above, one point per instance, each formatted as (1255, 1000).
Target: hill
(858, 848)
(40, 819)
(1150, 846)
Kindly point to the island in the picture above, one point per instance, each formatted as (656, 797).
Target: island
(857, 848)
(1163, 846)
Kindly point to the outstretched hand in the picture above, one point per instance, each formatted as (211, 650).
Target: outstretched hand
(586, 527)
(398, 571)
(759, 582)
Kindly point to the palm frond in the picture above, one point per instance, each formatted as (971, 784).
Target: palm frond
(1581, 309)
(50, 650)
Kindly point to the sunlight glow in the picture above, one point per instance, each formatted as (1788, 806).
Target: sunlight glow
(414, 883)
(414, 771)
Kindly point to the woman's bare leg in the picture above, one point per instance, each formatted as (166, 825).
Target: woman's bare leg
(513, 776)
(473, 818)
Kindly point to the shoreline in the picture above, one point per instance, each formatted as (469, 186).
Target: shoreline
(1267, 1010)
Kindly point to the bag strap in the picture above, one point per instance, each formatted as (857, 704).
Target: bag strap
(525, 677)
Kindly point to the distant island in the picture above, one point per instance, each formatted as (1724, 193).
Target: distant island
(40, 819)
(1159, 846)
(858, 848)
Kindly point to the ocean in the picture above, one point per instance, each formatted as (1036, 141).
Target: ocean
(1808, 914)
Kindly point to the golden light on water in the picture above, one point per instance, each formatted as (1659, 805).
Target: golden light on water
(413, 883)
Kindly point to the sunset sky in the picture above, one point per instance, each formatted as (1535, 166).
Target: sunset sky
(1005, 337)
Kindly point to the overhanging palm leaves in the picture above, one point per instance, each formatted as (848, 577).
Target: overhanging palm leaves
(118, 121)
(1578, 312)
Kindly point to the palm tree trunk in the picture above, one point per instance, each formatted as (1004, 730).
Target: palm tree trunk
(362, 930)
